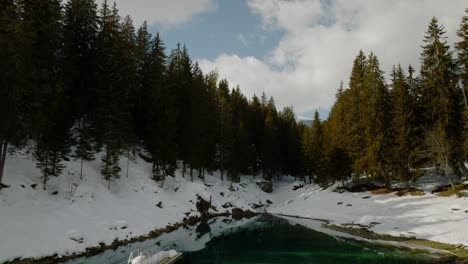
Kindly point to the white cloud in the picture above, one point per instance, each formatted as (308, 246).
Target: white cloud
(165, 13)
(320, 43)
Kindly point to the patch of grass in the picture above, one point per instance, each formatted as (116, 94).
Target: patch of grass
(410, 191)
(447, 190)
(382, 191)
(460, 251)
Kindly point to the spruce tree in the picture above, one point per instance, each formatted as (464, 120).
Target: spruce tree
(316, 150)
(271, 148)
(160, 132)
(48, 98)
(403, 130)
(354, 137)
(11, 110)
(113, 109)
(80, 36)
(375, 109)
(462, 49)
(441, 99)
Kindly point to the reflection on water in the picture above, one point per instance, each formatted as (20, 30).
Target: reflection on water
(264, 239)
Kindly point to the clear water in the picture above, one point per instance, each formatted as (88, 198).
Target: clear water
(260, 240)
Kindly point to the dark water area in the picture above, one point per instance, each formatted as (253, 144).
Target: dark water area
(264, 239)
(278, 241)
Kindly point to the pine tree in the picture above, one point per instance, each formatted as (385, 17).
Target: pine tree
(256, 126)
(462, 48)
(180, 78)
(442, 101)
(11, 112)
(160, 131)
(316, 150)
(113, 109)
(80, 33)
(48, 98)
(354, 137)
(375, 109)
(85, 146)
(271, 146)
(403, 130)
(225, 128)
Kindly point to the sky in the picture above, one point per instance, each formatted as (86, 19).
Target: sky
(297, 51)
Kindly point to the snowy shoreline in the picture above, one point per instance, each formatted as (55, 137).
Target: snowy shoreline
(73, 215)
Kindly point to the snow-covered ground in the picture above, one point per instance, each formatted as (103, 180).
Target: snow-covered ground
(443, 219)
(73, 215)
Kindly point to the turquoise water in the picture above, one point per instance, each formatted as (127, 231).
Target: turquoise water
(280, 242)
(264, 239)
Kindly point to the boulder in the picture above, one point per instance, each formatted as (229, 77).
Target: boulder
(265, 186)
(203, 204)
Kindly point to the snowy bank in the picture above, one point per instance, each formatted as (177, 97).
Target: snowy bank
(73, 215)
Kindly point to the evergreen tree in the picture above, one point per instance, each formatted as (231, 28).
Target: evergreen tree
(316, 150)
(271, 148)
(12, 111)
(48, 97)
(180, 77)
(225, 128)
(256, 126)
(403, 126)
(354, 136)
(441, 99)
(160, 136)
(462, 48)
(80, 35)
(113, 110)
(375, 121)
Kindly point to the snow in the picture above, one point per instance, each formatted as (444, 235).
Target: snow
(74, 214)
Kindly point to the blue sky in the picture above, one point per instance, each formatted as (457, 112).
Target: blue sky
(232, 28)
(297, 51)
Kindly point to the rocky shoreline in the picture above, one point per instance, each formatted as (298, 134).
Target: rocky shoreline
(236, 213)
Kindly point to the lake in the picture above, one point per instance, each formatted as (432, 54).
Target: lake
(263, 239)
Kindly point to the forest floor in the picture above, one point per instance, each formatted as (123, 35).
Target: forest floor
(73, 214)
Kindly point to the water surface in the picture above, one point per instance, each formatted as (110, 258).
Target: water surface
(264, 239)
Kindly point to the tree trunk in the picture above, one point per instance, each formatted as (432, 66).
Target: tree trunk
(44, 181)
(184, 167)
(3, 152)
(191, 173)
(81, 170)
(128, 160)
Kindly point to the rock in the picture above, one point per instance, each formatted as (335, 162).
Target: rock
(238, 213)
(54, 193)
(255, 206)
(221, 193)
(366, 197)
(22, 186)
(232, 189)
(265, 186)
(463, 193)
(227, 205)
(34, 186)
(75, 236)
(455, 209)
(159, 204)
(269, 202)
(145, 158)
(349, 205)
(203, 204)
(297, 185)
(339, 203)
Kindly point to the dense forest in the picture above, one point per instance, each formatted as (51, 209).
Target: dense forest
(80, 82)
